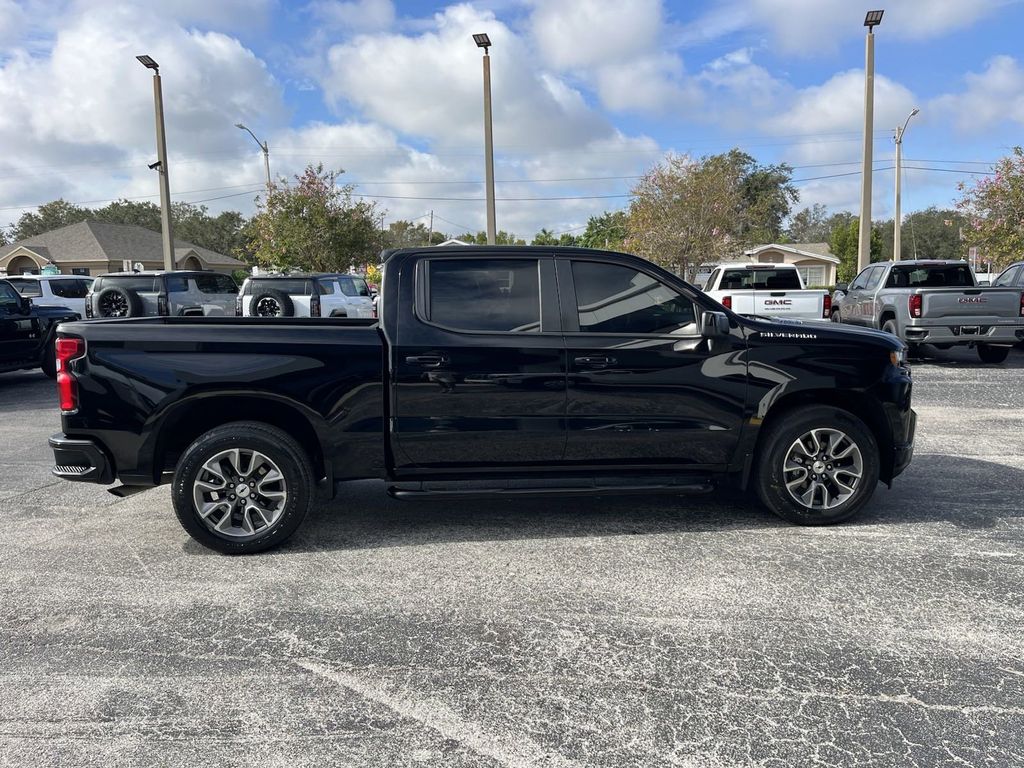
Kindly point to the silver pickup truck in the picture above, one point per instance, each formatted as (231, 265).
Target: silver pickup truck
(935, 302)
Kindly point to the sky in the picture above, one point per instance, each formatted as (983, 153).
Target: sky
(588, 95)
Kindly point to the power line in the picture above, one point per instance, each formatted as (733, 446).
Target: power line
(147, 197)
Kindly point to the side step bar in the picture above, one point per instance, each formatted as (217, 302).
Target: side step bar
(440, 492)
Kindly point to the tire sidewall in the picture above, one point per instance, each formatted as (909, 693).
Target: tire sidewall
(280, 448)
(283, 300)
(770, 479)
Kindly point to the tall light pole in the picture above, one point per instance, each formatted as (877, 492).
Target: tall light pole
(161, 163)
(483, 41)
(897, 254)
(872, 20)
(266, 152)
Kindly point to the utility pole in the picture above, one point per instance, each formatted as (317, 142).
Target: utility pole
(483, 41)
(873, 19)
(897, 253)
(430, 232)
(161, 164)
(266, 153)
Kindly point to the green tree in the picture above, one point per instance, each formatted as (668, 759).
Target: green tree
(684, 212)
(545, 237)
(501, 237)
(843, 243)
(405, 234)
(994, 208)
(142, 214)
(809, 225)
(609, 230)
(314, 224)
(767, 196)
(53, 215)
(933, 233)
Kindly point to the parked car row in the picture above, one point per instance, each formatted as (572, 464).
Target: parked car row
(31, 306)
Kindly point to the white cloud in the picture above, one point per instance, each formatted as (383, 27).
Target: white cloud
(573, 34)
(653, 83)
(990, 97)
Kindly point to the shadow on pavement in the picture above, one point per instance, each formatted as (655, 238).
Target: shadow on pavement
(962, 357)
(19, 388)
(967, 493)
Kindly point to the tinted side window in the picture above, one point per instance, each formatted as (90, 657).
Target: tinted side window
(141, 284)
(711, 280)
(1008, 277)
(484, 294)
(612, 298)
(293, 287)
(9, 298)
(30, 288)
(860, 280)
(326, 287)
(875, 277)
(176, 284)
(214, 283)
(69, 289)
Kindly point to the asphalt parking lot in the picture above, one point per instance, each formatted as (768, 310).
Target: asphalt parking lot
(615, 632)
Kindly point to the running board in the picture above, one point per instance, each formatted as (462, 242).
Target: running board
(453, 491)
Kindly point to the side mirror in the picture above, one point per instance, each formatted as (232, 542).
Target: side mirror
(842, 287)
(715, 325)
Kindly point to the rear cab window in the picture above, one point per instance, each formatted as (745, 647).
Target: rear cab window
(930, 276)
(482, 295)
(761, 279)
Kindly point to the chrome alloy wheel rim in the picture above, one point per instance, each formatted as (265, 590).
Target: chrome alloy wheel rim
(822, 469)
(239, 493)
(268, 307)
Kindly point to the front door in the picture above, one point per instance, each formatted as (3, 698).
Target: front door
(645, 387)
(19, 330)
(478, 367)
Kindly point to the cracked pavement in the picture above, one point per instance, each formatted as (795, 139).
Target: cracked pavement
(596, 632)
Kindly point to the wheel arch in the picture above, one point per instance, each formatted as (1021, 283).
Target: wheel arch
(863, 406)
(181, 424)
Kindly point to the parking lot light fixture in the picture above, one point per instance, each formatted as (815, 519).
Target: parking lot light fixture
(483, 41)
(161, 165)
(266, 151)
(897, 216)
(871, 20)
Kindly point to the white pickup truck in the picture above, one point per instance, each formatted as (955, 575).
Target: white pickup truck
(767, 290)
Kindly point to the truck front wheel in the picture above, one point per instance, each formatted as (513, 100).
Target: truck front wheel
(817, 465)
(242, 487)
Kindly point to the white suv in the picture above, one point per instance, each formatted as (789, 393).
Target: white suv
(325, 295)
(54, 290)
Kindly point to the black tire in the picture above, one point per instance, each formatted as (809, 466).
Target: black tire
(118, 302)
(776, 444)
(280, 448)
(990, 354)
(48, 360)
(262, 302)
(889, 326)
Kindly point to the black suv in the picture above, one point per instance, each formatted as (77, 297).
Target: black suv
(27, 332)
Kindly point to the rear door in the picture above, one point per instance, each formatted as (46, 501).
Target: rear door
(478, 364)
(357, 295)
(645, 387)
(216, 294)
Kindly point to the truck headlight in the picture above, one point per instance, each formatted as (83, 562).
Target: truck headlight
(898, 357)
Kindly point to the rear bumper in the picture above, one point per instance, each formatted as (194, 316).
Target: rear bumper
(955, 334)
(80, 459)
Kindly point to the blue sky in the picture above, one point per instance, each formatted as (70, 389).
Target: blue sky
(588, 94)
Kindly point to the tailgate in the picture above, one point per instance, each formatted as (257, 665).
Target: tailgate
(802, 304)
(974, 304)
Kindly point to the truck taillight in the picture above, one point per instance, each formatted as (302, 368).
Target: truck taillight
(826, 307)
(727, 302)
(68, 348)
(314, 306)
(1022, 305)
(915, 305)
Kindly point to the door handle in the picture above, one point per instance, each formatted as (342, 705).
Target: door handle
(595, 362)
(427, 361)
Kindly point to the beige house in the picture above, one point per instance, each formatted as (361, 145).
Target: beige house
(97, 247)
(814, 261)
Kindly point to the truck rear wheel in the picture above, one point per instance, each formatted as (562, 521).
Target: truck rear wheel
(242, 487)
(817, 465)
(989, 354)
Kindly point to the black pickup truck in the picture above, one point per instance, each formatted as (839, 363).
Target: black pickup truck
(27, 332)
(492, 372)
